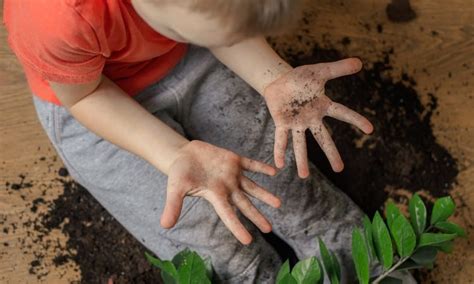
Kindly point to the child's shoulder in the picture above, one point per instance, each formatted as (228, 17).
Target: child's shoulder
(52, 36)
(52, 23)
(52, 14)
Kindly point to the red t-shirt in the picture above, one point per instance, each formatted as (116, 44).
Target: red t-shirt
(74, 41)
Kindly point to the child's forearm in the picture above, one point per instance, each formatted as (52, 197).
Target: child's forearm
(254, 60)
(112, 114)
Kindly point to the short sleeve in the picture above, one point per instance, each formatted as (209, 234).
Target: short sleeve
(53, 41)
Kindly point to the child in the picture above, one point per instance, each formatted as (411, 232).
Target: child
(143, 120)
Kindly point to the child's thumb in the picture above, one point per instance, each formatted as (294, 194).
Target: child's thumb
(173, 205)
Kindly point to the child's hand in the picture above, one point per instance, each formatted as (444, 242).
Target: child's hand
(215, 174)
(297, 102)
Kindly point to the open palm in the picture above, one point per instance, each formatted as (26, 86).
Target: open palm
(297, 102)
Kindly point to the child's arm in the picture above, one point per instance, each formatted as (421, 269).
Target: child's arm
(193, 168)
(295, 97)
(102, 107)
(255, 61)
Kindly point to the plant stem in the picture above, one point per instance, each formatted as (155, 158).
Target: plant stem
(386, 273)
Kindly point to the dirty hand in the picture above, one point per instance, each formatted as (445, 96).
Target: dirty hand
(297, 102)
(216, 174)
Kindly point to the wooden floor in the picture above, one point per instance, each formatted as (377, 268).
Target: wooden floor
(437, 49)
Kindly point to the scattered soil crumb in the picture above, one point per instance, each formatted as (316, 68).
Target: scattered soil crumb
(400, 11)
(97, 242)
(346, 41)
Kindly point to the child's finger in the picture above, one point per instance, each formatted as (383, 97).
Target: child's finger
(248, 209)
(258, 192)
(326, 143)
(345, 114)
(341, 68)
(281, 141)
(301, 155)
(256, 166)
(227, 214)
(173, 205)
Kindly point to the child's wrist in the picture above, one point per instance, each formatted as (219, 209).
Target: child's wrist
(272, 75)
(162, 160)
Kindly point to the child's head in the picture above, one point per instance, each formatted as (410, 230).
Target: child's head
(213, 23)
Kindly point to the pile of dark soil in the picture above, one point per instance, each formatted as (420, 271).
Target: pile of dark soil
(96, 242)
(102, 247)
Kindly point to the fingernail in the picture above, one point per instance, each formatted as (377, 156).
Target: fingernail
(338, 168)
(247, 242)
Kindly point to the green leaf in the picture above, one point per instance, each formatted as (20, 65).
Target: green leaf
(432, 239)
(409, 264)
(307, 271)
(404, 236)
(382, 241)
(360, 255)
(321, 279)
(391, 280)
(179, 258)
(451, 228)
(417, 214)
(442, 209)
(193, 270)
(446, 247)
(368, 237)
(168, 270)
(284, 270)
(288, 279)
(424, 255)
(337, 266)
(392, 212)
(329, 266)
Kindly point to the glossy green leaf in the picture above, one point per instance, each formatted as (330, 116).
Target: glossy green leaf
(360, 256)
(321, 279)
(167, 277)
(337, 266)
(442, 209)
(382, 241)
(284, 270)
(168, 271)
(193, 270)
(368, 237)
(392, 212)
(404, 236)
(307, 271)
(179, 258)
(417, 214)
(328, 263)
(288, 279)
(446, 247)
(450, 228)
(424, 255)
(433, 239)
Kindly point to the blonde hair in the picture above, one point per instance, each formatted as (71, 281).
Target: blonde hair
(251, 17)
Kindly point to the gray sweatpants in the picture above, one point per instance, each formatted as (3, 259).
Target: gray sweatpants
(204, 100)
